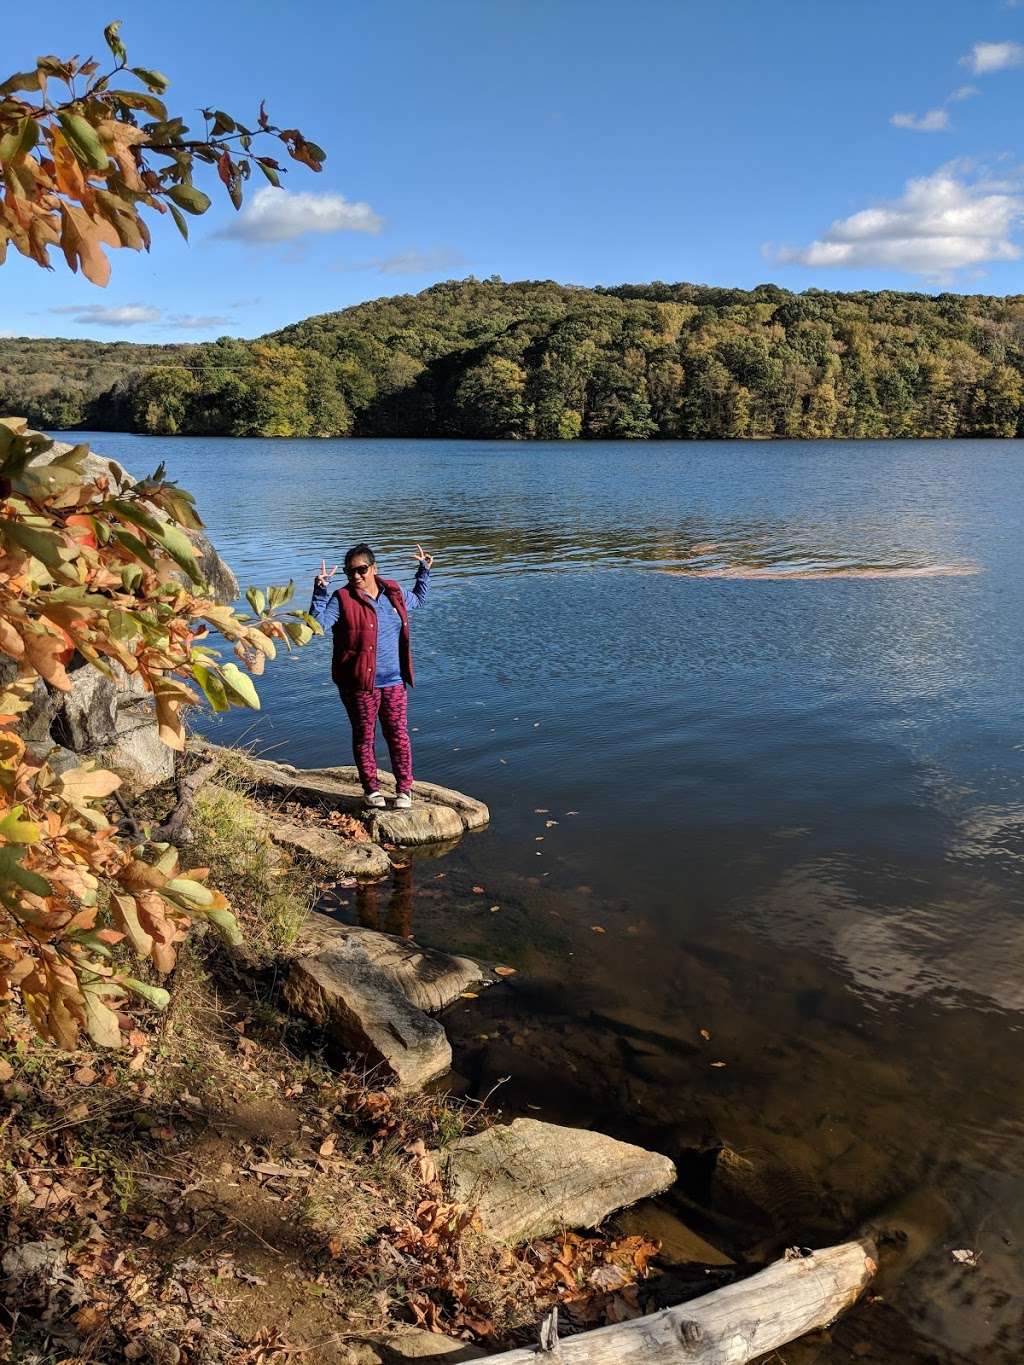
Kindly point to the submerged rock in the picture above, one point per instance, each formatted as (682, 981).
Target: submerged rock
(531, 1179)
(348, 857)
(428, 978)
(348, 995)
(680, 1245)
(437, 814)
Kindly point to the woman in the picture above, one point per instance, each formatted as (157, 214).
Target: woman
(372, 661)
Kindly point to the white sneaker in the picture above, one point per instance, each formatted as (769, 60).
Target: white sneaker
(403, 801)
(375, 799)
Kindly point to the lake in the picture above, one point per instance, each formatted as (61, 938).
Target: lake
(748, 718)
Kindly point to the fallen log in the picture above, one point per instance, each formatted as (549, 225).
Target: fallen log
(729, 1326)
(174, 829)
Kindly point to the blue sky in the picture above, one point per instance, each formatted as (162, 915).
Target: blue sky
(845, 144)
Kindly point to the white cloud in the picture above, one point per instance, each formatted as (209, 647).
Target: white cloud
(139, 314)
(273, 215)
(934, 121)
(415, 261)
(942, 223)
(128, 315)
(985, 58)
(963, 92)
(195, 322)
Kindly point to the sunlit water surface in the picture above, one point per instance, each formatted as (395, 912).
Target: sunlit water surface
(748, 719)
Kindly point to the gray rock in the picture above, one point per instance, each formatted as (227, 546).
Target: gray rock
(218, 575)
(138, 753)
(428, 978)
(423, 824)
(531, 1179)
(438, 813)
(34, 724)
(347, 857)
(88, 715)
(355, 1002)
(59, 758)
(413, 1343)
(115, 723)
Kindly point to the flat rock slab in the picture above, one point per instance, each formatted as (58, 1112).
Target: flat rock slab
(428, 978)
(363, 1010)
(680, 1245)
(532, 1179)
(360, 858)
(437, 814)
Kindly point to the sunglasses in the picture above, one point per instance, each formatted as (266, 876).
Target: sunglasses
(358, 570)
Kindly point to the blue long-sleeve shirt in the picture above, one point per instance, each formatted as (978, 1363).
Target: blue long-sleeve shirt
(326, 610)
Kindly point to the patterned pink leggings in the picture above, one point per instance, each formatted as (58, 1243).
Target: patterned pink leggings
(390, 703)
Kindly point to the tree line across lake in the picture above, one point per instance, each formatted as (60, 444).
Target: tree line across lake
(482, 358)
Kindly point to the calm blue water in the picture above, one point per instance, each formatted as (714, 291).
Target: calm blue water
(795, 808)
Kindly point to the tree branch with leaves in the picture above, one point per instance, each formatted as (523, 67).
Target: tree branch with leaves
(81, 157)
(107, 573)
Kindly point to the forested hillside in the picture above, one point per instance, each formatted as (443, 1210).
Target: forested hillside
(541, 360)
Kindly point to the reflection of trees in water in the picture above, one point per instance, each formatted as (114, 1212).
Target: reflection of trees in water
(396, 916)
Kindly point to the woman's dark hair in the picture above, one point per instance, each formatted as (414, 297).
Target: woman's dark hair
(361, 549)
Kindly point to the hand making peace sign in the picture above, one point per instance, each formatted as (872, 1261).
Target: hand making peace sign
(323, 577)
(424, 558)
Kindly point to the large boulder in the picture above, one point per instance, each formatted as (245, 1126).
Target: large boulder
(216, 572)
(137, 752)
(531, 1179)
(113, 721)
(438, 814)
(360, 858)
(365, 1012)
(428, 978)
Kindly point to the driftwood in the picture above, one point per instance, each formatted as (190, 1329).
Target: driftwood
(174, 829)
(729, 1326)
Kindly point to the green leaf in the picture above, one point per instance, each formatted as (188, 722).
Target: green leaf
(189, 198)
(155, 80)
(138, 547)
(180, 548)
(134, 512)
(189, 890)
(17, 831)
(298, 632)
(256, 600)
(44, 545)
(279, 596)
(240, 686)
(226, 925)
(110, 33)
(11, 870)
(270, 172)
(83, 140)
(156, 995)
(212, 686)
(179, 221)
(20, 140)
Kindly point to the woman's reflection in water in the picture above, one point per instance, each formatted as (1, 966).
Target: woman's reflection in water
(397, 917)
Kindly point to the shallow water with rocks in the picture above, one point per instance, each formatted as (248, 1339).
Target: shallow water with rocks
(747, 717)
